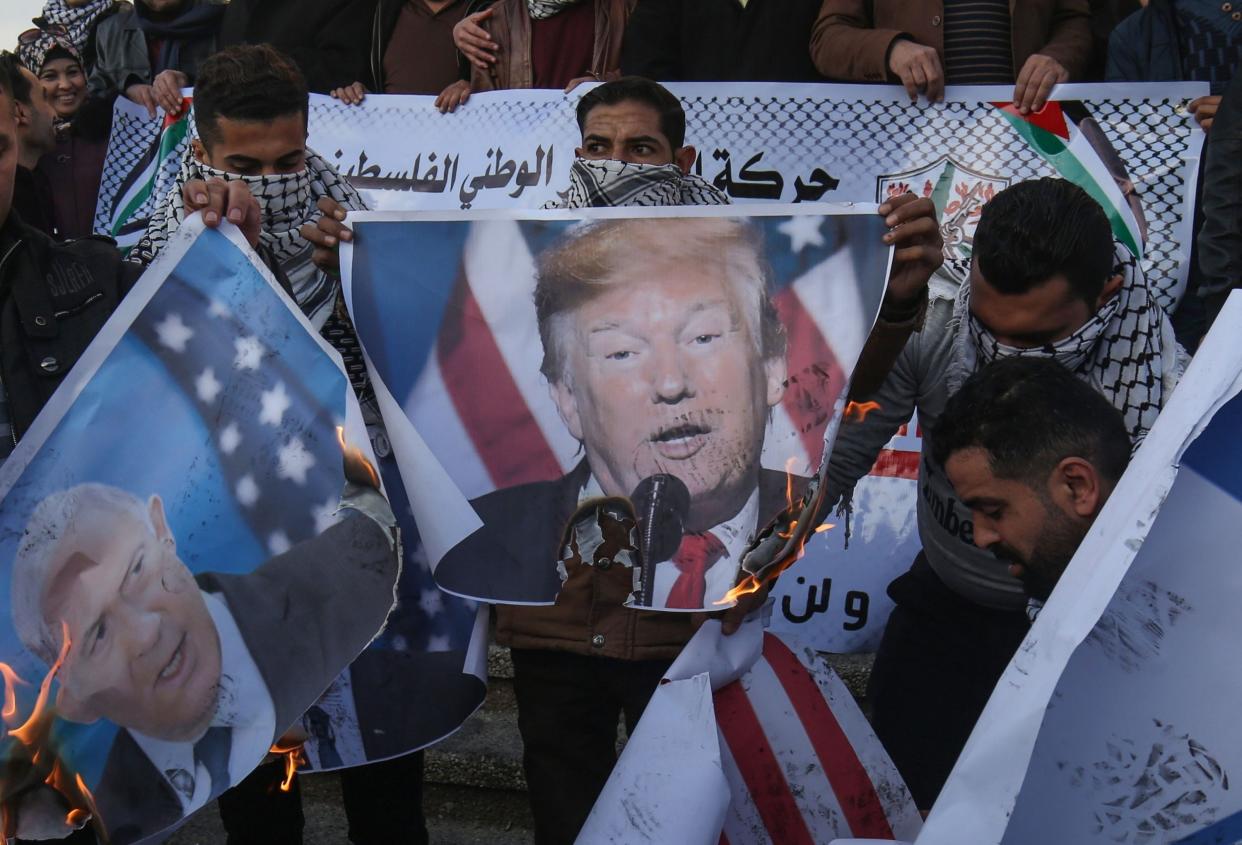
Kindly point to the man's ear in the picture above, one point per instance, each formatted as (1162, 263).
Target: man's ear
(200, 152)
(21, 114)
(155, 509)
(1076, 488)
(776, 372)
(684, 158)
(1109, 291)
(69, 706)
(567, 405)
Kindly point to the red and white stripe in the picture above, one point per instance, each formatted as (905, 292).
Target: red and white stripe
(801, 761)
(485, 370)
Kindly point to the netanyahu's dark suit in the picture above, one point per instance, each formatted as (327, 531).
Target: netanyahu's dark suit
(304, 615)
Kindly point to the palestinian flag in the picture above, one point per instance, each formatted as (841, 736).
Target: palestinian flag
(143, 161)
(1065, 134)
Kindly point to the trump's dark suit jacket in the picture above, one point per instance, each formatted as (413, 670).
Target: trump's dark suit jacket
(513, 557)
(304, 615)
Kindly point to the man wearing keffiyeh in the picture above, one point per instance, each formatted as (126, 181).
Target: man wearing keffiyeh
(1046, 280)
(251, 107)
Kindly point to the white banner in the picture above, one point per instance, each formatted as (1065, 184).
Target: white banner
(1134, 147)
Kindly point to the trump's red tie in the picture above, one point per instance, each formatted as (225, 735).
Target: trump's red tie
(694, 557)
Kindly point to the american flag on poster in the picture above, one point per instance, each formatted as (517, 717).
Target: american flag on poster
(454, 337)
(802, 763)
(508, 431)
(778, 754)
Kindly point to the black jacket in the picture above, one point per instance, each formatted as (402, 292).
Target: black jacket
(323, 37)
(720, 41)
(1146, 47)
(54, 298)
(123, 57)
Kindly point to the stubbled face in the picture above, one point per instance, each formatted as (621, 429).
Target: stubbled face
(1045, 314)
(65, 85)
(1016, 523)
(663, 375)
(257, 148)
(630, 131)
(145, 653)
(40, 133)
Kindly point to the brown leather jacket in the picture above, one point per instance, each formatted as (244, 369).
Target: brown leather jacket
(851, 38)
(509, 27)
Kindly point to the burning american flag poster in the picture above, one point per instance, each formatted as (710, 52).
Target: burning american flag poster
(189, 561)
(1117, 719)
(604, 387)
(751, 740)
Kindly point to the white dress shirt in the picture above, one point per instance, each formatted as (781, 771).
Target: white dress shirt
(735, 534)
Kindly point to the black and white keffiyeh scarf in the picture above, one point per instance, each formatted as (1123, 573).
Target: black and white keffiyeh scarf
(605, 183)
(543, 9)
(76, 22)
(1126, 350)
(287, 201)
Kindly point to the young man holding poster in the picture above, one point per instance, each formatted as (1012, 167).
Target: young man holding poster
(1046, 281)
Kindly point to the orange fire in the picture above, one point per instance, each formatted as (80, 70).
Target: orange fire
(294, 757)
(784, 527)
(27, 734)
(28, 762)
(354, 457)
(858, 411)
(11, 680)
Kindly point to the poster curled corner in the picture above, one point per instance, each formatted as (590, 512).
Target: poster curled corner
(670, 765)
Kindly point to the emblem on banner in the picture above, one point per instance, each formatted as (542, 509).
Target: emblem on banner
(959, 194)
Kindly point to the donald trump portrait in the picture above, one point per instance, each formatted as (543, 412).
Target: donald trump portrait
(664, 356)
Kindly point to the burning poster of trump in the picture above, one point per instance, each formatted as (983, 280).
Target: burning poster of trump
(640, 391)
(178, 527)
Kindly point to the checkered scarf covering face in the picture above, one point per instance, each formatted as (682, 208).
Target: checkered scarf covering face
(595, 184)
(1126, 350)
(544, 9)
(77, 22)
(287, 201)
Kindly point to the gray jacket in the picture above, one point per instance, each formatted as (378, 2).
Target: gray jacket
(919, 380)
(122, 56)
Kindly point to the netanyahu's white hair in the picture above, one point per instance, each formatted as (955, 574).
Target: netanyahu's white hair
(38, 561)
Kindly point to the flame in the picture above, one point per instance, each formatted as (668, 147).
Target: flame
(784, 527)
(34, 758)
(11, 680)
(294, 757)
(355, 454)
(858, 411)
(28, 732)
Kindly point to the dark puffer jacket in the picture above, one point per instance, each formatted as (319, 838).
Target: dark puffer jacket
(54, 299)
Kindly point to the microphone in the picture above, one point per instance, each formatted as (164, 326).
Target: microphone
(662, 506)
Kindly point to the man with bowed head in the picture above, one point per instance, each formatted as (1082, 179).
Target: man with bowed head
(1035, 454)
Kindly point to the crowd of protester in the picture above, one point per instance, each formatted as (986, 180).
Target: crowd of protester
(1047, 278)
